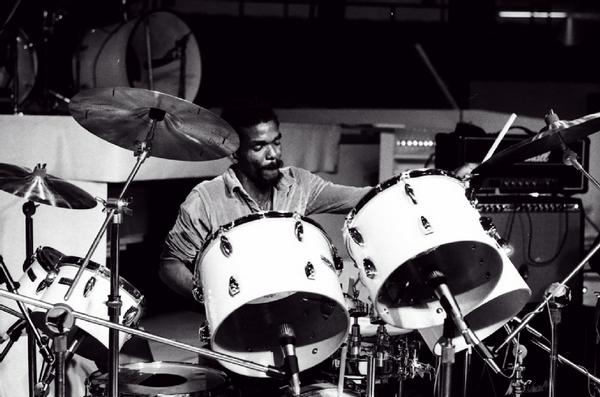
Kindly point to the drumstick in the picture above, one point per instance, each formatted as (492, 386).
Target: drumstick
(499, 138)
(340, 388)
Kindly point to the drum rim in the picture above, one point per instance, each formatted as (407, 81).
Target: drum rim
(394, 180)
(255, 216)
(72, 260)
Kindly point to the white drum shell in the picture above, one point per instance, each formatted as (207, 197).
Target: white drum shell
(269, 263)
(507, 299)
(94, 303)
(393, 232)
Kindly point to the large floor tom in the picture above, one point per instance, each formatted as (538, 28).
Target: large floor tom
(409, 226)
(265, 270)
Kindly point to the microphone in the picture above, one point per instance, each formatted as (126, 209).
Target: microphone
(437, 281)
(355, 339)
(287, 339)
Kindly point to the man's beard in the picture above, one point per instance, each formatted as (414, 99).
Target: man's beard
(270, 182)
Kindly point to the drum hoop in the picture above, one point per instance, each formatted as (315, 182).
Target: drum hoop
(93, 266)
(255, 216)
(394, 180)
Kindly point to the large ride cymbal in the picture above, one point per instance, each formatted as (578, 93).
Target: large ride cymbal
(560, 132)
(40, 187)
(184, 131)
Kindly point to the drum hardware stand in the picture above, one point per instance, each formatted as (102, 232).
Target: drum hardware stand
(271, 371)
(537, 341)
(466, 367)
(33, 334)
(517, 383)
(556, 303)
(446, 358)
(59, 321)
(114, 208)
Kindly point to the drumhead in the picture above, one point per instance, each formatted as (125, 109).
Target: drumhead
(162, 378)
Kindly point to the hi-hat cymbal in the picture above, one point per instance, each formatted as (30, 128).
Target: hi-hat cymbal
(184, 131)
(561, 132)
(43, 188)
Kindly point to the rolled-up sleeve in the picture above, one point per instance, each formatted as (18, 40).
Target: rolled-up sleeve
(189, 231)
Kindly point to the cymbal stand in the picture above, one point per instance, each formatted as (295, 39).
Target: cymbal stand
(203, 352)
(29, 210)
(537, 340)
(555, 305)
(114, 209)
(34, 336)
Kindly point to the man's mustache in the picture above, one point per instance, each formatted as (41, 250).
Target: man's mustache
(274, 166)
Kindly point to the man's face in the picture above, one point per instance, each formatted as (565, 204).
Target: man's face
(259, 155)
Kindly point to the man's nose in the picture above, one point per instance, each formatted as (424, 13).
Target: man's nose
(273, 152)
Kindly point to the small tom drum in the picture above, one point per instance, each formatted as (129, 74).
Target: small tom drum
(262, 271)
(89, 297)
(410, 226)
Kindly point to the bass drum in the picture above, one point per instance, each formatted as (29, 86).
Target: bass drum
(117, 56)
(26, 64)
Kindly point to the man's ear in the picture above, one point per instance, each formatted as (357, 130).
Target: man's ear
(234, 157)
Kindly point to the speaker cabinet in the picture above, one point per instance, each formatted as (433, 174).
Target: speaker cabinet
(545, 236)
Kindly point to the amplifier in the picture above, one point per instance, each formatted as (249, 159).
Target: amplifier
(545, 173)
(544, 235)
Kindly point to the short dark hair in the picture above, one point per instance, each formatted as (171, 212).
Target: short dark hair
(247, 112)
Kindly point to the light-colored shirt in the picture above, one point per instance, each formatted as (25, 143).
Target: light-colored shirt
(222, 200)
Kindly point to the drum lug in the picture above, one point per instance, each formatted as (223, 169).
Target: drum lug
(234, 287)
(298, 228)
(204, 332)
(197, 292)
(356, 236)
(490, 230)
(338, 263)
(89, 286)
(426, 225)
(50, 277)
(370, 269)
(470, 193)
(328, 263)
(130, 316)
(309, 270)
(410, 193)
(226, 247)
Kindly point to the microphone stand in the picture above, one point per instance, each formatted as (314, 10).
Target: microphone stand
(446, 358)
(60, 320)
(203, 352)
(34, 336)
(555, 304)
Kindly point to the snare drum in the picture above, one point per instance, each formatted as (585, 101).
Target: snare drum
(160, 378)
(410, 225)
(89, 297)
(116, 56)
(264, 270)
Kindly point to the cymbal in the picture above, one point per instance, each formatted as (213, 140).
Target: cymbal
(184, 131)
(561, 132)
(43, 188)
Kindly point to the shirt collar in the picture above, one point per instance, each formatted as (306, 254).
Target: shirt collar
(232, 182)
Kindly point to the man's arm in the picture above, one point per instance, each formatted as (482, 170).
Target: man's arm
(176, 275)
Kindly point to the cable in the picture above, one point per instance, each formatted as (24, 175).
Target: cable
(534, 261)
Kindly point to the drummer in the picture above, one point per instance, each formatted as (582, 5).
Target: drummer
(256, 181)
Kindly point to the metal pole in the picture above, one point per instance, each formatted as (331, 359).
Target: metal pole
(207, 353)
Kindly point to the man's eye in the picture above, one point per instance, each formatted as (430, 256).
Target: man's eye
(277, 142)
(257, 148)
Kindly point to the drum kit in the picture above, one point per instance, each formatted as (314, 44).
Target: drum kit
(454, 285)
